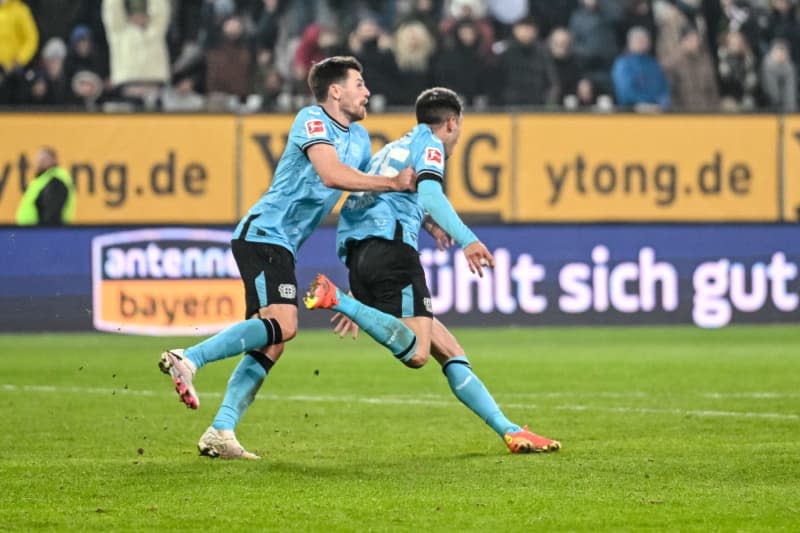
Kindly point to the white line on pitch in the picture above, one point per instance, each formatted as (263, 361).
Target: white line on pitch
(405, 400)
(681, 412)
(751, 395)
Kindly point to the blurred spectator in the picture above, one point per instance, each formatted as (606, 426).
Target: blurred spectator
(318, 42)
(229, 63)
(90, 14)
(691, 76)
(19, 40)
(52, 88)
(269, 86)
(138, 46)
(49, 199)
(54, 18)
(593, 35)
(737, 71)
(181, 96)
(424, 11)
(526, 75)
(504, 13)
(550, 14)
(779, 78)
(739, 15)
(463, 66)
(348, 13)
(639, 81)
(184, 26)
(567, 67)
(586, 97)
(87, 89)
(372, 47)
(783, 24)
(672, 18)
(636, 13)
(267, 29)
(300, 14)
(474, 10)
(413, 51)
(82, 54)
(212, 16)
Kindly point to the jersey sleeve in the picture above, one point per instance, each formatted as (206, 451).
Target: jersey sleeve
(429, 159)
(310, 127)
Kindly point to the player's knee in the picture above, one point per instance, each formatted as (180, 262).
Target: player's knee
(289, 331)
(418, 360)
(280, 329)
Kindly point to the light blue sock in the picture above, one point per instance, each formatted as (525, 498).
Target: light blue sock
(472, 393)
(233, 340)
(384, 328)
(245, 381)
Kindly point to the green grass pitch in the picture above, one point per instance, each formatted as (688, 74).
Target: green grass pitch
(664, 429)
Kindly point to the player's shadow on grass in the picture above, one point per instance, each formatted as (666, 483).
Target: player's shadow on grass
(356, 470)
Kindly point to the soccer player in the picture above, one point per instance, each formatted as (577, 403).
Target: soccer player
(325, 154)
(377, 239)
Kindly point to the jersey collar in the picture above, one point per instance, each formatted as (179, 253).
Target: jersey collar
(335, 122)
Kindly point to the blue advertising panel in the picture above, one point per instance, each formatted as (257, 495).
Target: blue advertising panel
(163, 281)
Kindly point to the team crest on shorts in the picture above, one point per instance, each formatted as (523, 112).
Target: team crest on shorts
(287, 291)
(427, 303)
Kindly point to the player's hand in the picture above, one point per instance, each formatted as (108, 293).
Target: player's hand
(442, 238)
(343, 325)
(406, 180)
(478, 257)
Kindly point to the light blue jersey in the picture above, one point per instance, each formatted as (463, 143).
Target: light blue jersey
(392, 215)
(297, 200)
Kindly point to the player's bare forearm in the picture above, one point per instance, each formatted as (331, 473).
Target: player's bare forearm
(442, 238)
(337, 175)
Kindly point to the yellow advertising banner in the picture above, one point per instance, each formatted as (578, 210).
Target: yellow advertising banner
(791, 169)
(263, 138)
(127, 168)
(478, 179)
(646, 168)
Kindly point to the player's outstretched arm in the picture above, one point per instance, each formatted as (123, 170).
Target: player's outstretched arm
(432, 198)
(338, 175)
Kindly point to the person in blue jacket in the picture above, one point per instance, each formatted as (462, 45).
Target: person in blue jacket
(639, 80)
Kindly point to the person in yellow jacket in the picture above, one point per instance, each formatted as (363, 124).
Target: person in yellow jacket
(49, 200)
(19, 37)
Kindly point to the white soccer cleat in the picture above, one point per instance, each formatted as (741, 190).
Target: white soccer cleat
(181, 371)
(222, 443)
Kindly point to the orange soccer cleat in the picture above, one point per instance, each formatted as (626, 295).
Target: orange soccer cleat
(523, 441)
(321, 294)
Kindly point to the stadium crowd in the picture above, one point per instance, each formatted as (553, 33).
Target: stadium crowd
(254, 55)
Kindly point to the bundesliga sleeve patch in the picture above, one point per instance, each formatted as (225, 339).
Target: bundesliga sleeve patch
(315, 128)
(433, 156)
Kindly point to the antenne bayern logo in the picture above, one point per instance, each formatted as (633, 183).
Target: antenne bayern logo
(166, 281)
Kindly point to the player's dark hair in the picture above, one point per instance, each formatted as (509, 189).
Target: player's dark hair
(435, 105)
(329, 71)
